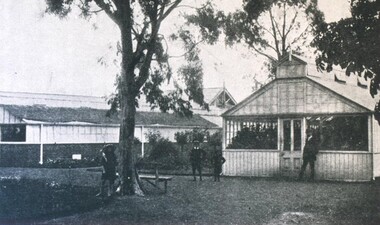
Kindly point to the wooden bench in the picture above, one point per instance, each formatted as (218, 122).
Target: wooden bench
(149, 178)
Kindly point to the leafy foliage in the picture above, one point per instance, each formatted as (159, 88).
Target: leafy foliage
(215, 139)
(353, 43)
(163, 152)
(268, 27)
(59, 7)
(181, 138)
(163, 148)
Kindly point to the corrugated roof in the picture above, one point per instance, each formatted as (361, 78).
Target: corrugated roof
(354, 93)
(350, 91)
(61, 114)
(52, 100)
(98, 116)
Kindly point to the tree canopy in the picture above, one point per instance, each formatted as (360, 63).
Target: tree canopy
(352, 43)
(269, 27)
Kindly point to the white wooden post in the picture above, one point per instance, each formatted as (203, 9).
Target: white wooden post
(224, 134)
(142, 141)
(41, 145)
(371, 119)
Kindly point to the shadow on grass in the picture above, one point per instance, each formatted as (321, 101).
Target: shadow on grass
(26, 200)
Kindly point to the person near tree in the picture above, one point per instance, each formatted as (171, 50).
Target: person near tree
(109, 163)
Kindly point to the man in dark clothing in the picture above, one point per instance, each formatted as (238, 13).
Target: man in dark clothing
(218, 161)
(109, 163)
(310, 152)
(196, 157)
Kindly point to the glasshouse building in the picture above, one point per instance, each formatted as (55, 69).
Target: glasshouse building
(264, 134)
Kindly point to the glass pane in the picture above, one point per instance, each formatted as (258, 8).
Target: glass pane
(287, 137)
(260, 134)
(347, 133)
(297, 135)
(13, 133)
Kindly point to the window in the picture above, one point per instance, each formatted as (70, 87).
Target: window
(255, 135)
(346, 133)
(290, 139)
(13, 132)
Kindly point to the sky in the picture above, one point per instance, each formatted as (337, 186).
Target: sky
(42, 53)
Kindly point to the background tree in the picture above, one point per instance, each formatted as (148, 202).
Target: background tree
(144, 67)
(181, 138)
(352, 43)
(268, 27)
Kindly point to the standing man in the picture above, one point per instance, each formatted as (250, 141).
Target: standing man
(218, 161)
(196, 157)
(310, 152)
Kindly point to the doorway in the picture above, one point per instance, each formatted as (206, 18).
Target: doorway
(291, 136)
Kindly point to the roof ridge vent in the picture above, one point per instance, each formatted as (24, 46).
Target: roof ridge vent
(336, 79)
(365, 86)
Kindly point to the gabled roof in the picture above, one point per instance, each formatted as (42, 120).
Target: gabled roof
(352, 98)
(293, 57)
(353, 94)
(249, 98)
(98, 116)
(211, 94)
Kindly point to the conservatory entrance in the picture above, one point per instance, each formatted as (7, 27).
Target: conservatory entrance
(290, 146)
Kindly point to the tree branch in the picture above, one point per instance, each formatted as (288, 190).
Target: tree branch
(264, 28)
(283, 32)
(192, 47)
(155, 26)
(107, 8)
(169, 10)
(301, 34)
(275, 36)
(262, 53)
(291, 24)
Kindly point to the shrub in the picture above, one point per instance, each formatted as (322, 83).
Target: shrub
(199, 135)
(71, 163)
(163, 148)
(181, 138)
(163, 151)
(215, 139)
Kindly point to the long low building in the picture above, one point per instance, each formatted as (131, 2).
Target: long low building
(264, 134)
(33, 134)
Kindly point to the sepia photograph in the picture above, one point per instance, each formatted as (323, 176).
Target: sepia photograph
(145, 112)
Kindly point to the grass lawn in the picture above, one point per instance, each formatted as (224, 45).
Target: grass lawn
(239, 201)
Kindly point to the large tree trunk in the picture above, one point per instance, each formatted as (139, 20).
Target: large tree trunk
(127, 94)
(129, 184)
